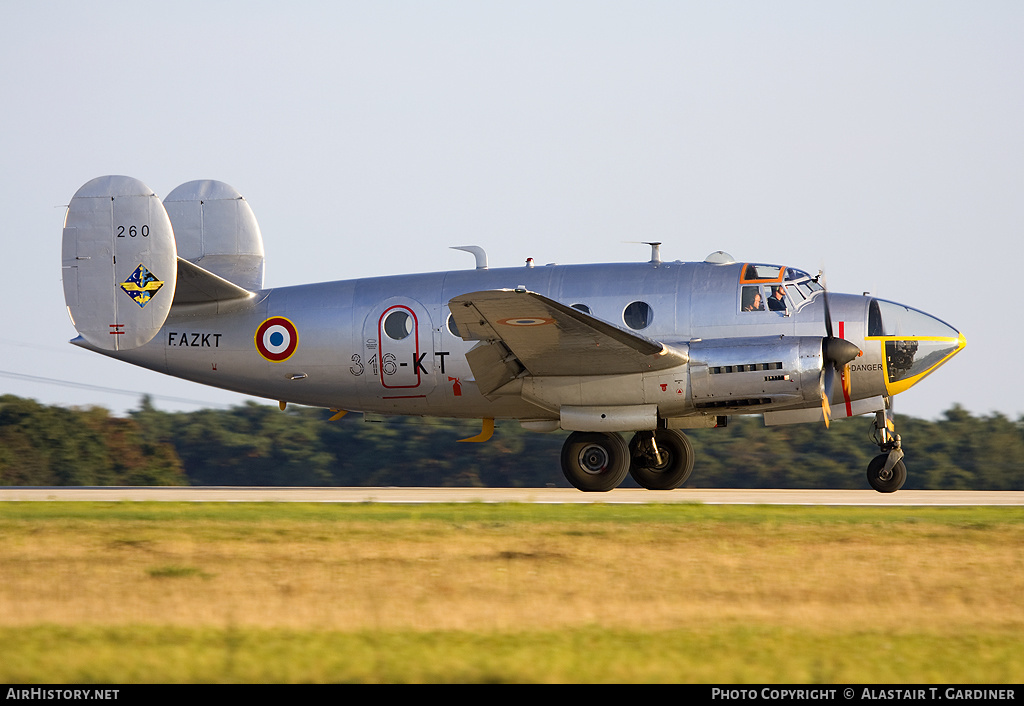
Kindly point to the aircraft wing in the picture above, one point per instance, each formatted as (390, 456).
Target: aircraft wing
(524, 331)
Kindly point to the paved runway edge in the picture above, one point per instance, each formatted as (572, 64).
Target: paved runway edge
(632, 496)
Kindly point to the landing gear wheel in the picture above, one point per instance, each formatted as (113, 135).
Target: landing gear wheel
(595, 461)
(676, 459)
(886, 482)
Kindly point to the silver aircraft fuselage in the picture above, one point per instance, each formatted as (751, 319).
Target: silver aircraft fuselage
(344, 359)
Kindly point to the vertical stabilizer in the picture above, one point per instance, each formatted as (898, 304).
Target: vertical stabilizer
(119, 262)
(215, 228)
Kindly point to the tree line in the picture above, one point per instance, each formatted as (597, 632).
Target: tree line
(256, 444)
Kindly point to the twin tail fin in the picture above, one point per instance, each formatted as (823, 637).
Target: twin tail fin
(127, 258)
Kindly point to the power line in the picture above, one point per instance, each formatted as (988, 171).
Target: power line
(108, 390)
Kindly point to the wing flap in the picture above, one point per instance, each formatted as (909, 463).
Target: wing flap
(493, 365)
(548, 338)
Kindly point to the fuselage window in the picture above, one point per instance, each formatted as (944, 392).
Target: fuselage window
(638, 315)
(582, 307)
(398, 325)
(452, 327)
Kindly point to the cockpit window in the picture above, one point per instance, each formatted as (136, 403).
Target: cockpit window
(771, 288)
(778, 288)
(762, 273)
(751, 299)
(776, 294)
(800, 285)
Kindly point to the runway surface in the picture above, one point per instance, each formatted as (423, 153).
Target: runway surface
(920, 498)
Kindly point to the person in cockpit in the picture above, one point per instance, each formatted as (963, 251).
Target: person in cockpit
(752, 299)
(776, 301)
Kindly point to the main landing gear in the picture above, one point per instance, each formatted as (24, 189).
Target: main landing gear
(599, 461)
(886, 472)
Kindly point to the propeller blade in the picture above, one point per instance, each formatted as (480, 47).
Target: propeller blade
(828, 377)
(837, 354)
(828, 314)
(838, 351)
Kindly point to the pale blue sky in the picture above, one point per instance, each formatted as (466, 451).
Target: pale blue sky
(882, 141)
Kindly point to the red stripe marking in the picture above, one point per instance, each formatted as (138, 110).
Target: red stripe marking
(845, 384)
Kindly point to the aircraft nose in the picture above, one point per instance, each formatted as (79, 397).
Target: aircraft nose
(913, 343)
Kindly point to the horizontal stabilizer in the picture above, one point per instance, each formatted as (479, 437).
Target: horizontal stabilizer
(198, 286)
(119, 263)
(548, 338)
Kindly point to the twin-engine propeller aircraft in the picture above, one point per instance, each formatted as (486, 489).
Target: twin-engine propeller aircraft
(645, 349)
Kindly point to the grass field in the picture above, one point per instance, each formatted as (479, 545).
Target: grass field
(178, 592)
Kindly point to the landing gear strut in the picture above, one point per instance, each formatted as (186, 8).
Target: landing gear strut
(660, 460)
(886, 472)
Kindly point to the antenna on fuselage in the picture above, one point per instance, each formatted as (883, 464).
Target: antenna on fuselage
(655, 250)
(478, 252)
(655, 253)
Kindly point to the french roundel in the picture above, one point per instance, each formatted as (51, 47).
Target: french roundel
(276, 339)
(526, 321)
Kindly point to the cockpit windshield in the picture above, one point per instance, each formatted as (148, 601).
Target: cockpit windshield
(801, 285)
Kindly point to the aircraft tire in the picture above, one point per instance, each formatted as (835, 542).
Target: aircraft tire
(595, 461)
(677, 461)
(896, 478)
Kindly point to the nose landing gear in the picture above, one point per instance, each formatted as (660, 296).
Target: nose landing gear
(886, 472)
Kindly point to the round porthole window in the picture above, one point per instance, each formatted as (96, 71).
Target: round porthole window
(398, 324)
(638, 315)
(452, 327)
(582, 307)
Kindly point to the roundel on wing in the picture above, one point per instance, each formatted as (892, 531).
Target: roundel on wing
(526, 321)
(276, 339)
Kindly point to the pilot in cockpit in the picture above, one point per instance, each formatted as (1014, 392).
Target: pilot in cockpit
(776, 301)
(752, 299)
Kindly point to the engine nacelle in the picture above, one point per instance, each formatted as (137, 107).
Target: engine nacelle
(767, 372)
